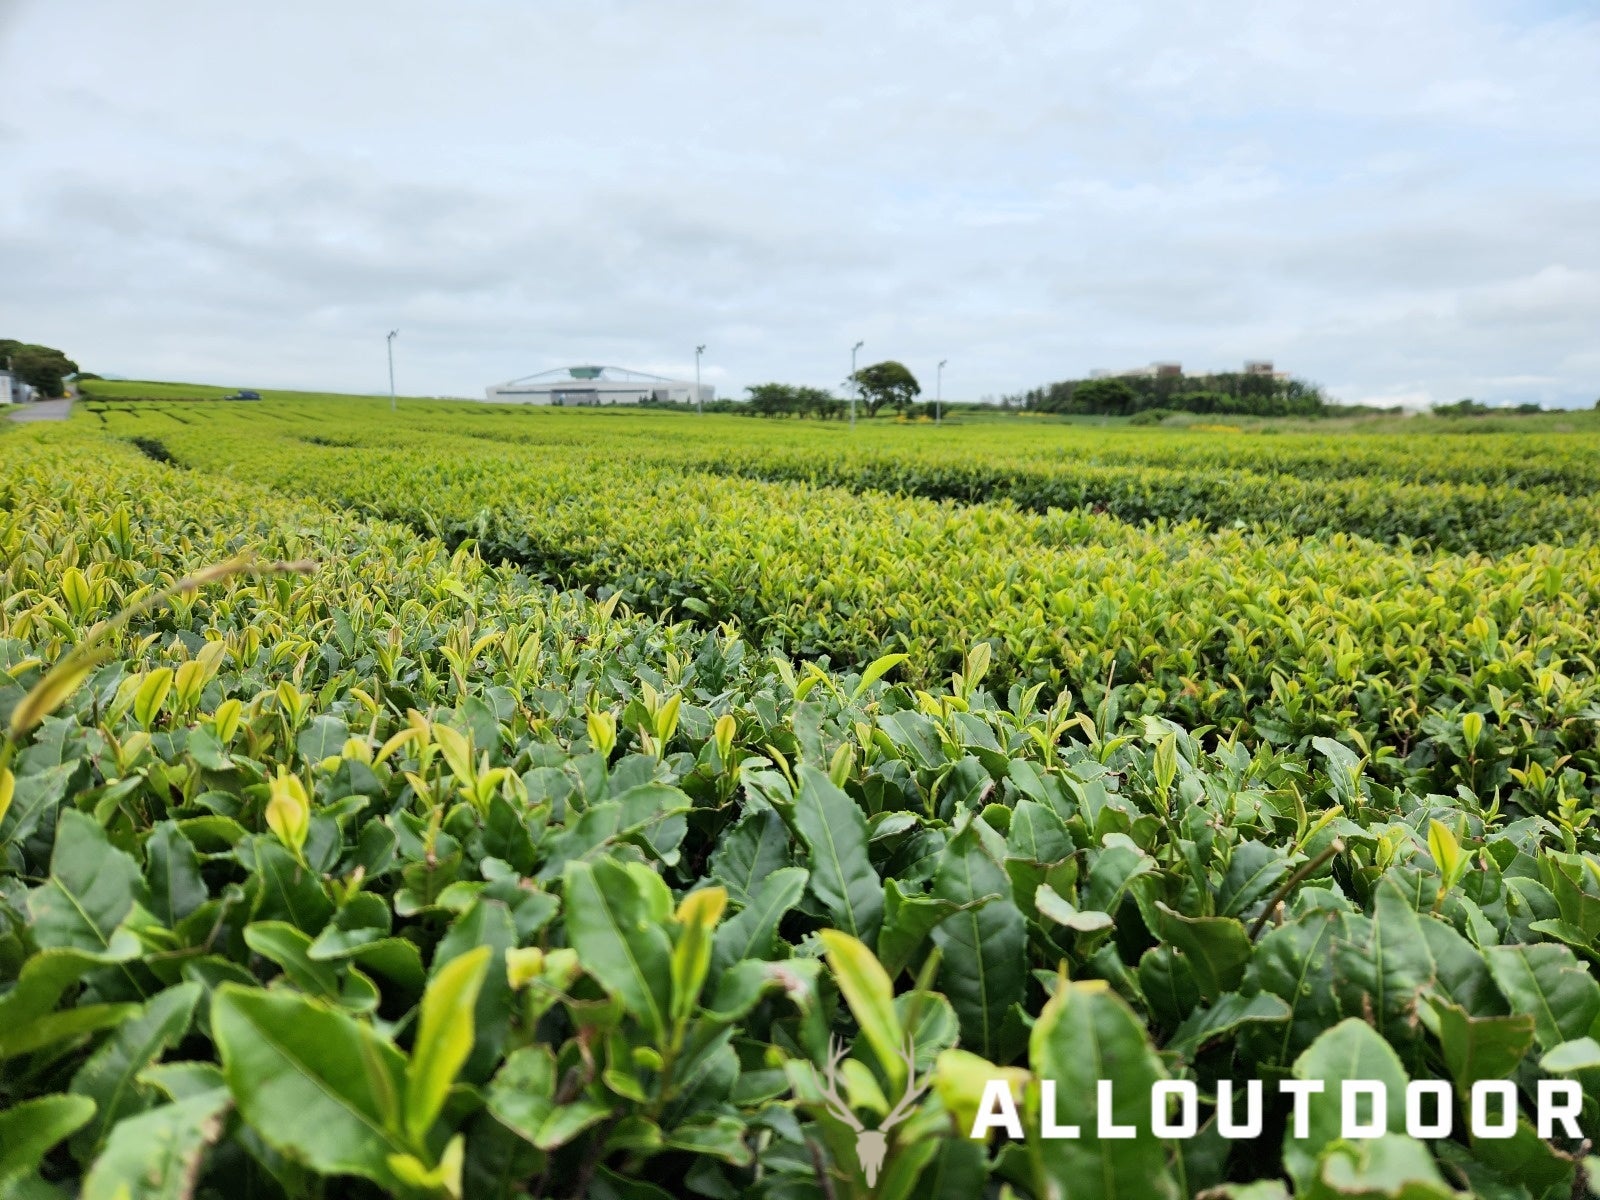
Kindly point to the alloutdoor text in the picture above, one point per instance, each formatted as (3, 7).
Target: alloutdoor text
(1363, 1109)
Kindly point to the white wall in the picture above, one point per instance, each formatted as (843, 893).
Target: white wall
(606, 392)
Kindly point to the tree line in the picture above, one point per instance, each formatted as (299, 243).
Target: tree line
(1231, 393)
(887, 384)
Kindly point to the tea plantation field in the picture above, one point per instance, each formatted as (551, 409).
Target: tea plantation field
(484, 802)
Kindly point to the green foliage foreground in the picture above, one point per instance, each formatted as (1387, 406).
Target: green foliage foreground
(359, 865)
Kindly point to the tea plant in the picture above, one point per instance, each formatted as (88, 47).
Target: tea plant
(1282, 640)
(340, 860)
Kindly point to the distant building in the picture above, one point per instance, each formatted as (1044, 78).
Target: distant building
(591, 386)
(14, 391)
(1156, 370)
(1172, 370)
(1263, 366)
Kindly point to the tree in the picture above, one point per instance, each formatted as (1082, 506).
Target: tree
(1461, 408)
(887, 383)
(787, 399)
(39, 366)
(816, 402)
(770, 399)
(1111, 396)
(1231, 392)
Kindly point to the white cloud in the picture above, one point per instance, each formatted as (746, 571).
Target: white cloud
(1554, 292)
(1397, 200)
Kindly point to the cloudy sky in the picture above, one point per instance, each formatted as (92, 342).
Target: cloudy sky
(1399, 199)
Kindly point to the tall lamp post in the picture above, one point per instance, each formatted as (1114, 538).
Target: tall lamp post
(855, 386)
(938, 391)
(393, 333)
(699, 403)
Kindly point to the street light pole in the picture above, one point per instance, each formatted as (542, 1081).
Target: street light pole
(855, 386)
(699, 404)
(938, 391)
(393, 333)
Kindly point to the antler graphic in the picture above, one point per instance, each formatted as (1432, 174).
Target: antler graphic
(835, 1102)
(914, 1092)
(872, 1145)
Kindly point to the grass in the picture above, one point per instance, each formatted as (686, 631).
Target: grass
(139, 389)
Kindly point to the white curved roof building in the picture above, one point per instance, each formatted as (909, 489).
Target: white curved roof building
(568, 386)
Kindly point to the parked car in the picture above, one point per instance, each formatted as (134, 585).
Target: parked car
(244, 394)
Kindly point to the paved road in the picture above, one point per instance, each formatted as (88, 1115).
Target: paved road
(44, 410)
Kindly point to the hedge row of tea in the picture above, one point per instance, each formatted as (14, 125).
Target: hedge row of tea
(1277, 639)
(1488, 493)
(1565, 464)
(355, 865)
(1461, 517)
(1474, 498)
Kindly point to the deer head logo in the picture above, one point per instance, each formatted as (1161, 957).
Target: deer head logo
(872, 1145)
